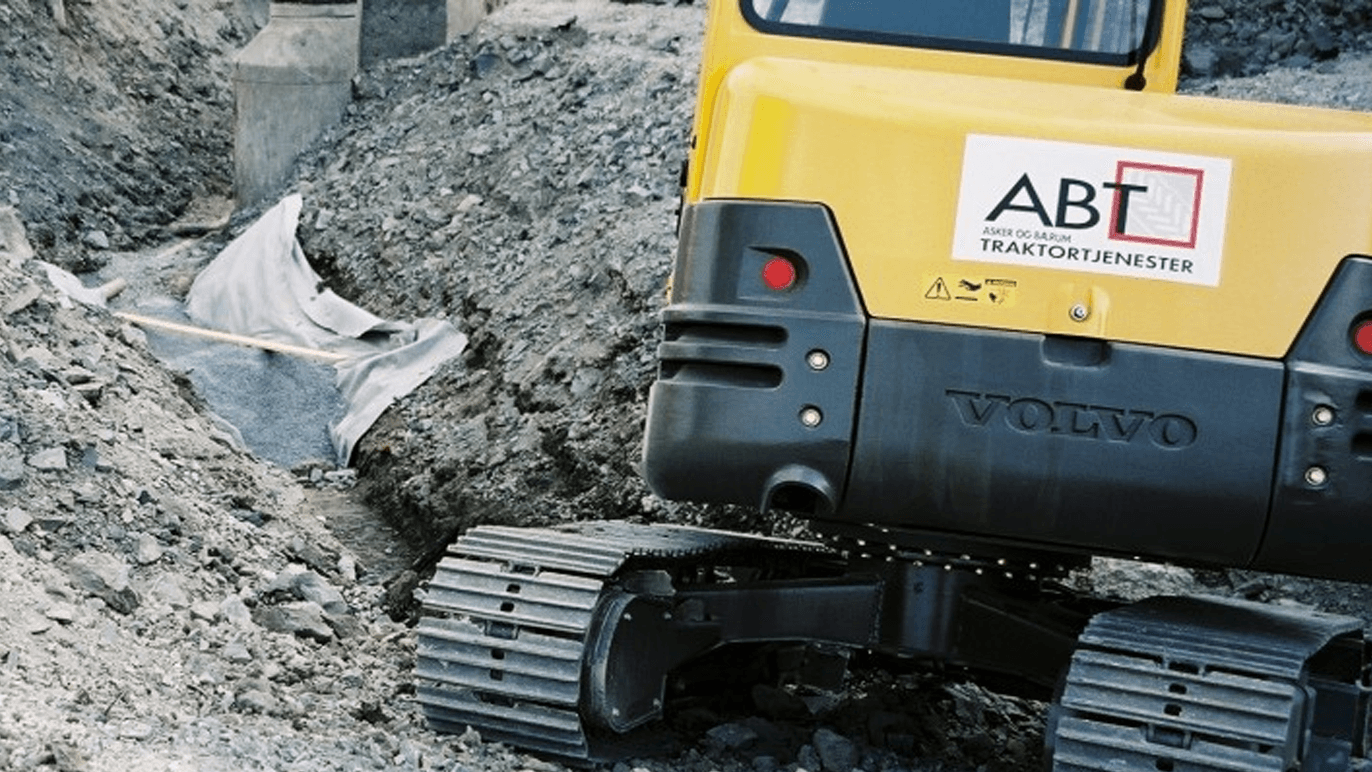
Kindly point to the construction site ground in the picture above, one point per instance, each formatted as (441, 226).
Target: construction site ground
(175, 602)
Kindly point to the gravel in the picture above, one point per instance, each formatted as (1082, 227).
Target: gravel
(174, 602)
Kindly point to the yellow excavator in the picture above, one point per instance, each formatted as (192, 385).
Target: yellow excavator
(967, 286)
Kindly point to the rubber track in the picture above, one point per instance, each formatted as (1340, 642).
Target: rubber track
(1189, 685)
(506, 616)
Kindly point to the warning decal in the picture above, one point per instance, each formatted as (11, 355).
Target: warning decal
(970, 289)
(1092, 208)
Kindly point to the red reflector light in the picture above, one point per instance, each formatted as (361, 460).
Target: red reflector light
(779, 274)
(1362, 336)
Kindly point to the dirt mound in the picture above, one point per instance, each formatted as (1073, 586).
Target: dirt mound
(111, 124)
(171, 602)
(1242, 37)
(524, 182)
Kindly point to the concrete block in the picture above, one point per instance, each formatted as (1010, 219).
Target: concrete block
(291, 83)
(464, 15)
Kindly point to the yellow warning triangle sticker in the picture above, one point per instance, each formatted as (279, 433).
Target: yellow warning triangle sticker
(939, 291)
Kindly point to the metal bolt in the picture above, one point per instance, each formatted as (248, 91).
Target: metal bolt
(817, 360)
(1322, 416)
(1079, 312)
(1316, 476)
(811, 417)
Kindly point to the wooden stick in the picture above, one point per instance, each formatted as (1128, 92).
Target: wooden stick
(228, 337)
(110, 289)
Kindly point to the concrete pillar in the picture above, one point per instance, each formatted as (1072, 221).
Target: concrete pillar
(464, 15)
(392, 29)
(259, 11)
(291, 83)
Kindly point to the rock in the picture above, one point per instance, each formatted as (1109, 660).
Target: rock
(344, 625)
(257, 698)
(732, 737)
(136, 730)
(312, 555)
(776, 703)
(237, 652)
(205, 669)
(37, 625)
(105, 577)
(49, 460)
(304, 584)
(206, 610)
(67, 757)
(235, 611)
(1200, 61)
(1134, 580)
(1212, 13)
(146, 550)
(314, 588)
(168, 589)
(64, 613)
(11, 466)
(836, 752)
(304, 618)
(14, 239)
(96, 239)
(15, 520)
(22, 299)
(347, 569)
(1325, 44)
(75, 376)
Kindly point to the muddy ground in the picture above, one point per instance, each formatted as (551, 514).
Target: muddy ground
(176, 603)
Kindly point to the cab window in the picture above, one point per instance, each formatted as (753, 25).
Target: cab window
(1056, 28)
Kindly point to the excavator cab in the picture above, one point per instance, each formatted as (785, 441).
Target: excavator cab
(971, 289)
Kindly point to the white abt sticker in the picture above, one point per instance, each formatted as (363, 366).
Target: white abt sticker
(1093, 208)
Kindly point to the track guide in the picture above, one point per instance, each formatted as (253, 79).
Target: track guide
(1199, 685)
(506, 617)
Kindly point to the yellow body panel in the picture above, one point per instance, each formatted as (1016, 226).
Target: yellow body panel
(879, 135)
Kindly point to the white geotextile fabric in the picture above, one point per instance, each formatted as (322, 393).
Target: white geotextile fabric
(262, 287)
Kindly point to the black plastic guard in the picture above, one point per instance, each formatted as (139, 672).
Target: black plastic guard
(1066, 442)
(1322, 504)
(741, 363)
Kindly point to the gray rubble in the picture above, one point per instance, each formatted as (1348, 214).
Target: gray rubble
(173, 603)
(141, 628)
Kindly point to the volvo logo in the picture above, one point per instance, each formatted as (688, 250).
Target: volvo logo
(1032, 415)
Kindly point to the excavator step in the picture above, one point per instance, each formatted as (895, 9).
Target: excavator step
(1206, 685)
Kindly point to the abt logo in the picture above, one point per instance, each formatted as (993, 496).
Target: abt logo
(1091, 208)
(1145, 203)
